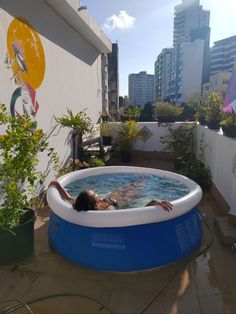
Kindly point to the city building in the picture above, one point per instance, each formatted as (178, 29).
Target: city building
(217, 83)
(141, 88)
(189, 15)
(174, 79)
(163, 71)
(124, 102)
(113, 80)
(223, 55)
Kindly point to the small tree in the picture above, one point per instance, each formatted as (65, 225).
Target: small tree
(20, 179)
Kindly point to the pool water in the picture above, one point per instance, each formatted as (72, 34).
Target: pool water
(130, 189)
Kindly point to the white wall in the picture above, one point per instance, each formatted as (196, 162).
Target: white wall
(220, 157)
(72, 68)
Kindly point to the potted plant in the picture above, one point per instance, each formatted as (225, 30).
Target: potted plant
(131, 113)
(127, 135)
(166, 112)
(19, 148)
(106, 131)
(80, 123)
(213, 112)
(105, 117)
(228, 124)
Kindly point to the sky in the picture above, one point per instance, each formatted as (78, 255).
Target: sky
(143, 28)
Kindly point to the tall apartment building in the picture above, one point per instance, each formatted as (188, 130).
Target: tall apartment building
(141, 88)
(223, 55)
(222, 60)
(189, 15)
(163, 71)
(189, 68)
(113, 80)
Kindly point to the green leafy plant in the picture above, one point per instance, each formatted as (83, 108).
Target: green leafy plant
(212, 109)
(80, 123)
(106, 129)
(127, 135)
(166, 111)
(228, 124)
(95, 161)
(19, 149)
(132, 113)
(228, 119)
(179, 142)
(195, 169)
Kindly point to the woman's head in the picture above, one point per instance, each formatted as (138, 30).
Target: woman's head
(86, 200)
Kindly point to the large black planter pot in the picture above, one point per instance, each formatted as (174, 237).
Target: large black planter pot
(18, 243)
(202, 121)
(106, 140)
(126, 156)
(229, 130)
(213, 124)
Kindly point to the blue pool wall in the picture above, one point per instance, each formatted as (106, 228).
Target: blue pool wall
(128, 248)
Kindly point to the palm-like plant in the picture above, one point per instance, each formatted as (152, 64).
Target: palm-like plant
(80, 123)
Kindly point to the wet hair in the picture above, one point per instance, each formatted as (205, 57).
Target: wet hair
(85, 201)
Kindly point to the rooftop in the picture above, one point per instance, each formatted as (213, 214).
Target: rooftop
(204, 283)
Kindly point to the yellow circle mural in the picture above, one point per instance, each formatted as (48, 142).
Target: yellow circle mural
(25, 52)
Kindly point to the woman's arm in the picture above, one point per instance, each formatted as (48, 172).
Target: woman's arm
(62, 191)
(164, 204)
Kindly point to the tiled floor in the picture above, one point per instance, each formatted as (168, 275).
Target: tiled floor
(206, 284)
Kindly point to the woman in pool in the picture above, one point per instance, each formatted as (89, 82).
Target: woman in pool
(89, 200)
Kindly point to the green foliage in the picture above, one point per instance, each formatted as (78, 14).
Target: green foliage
(19, 149)
(80, 123)
(195, 170)
(147, 112)
(212, 108)
(165, 109)
(179, 141)
(96, 162)
(228, 119)
(127, 135)
(106, 129)
(133, 111)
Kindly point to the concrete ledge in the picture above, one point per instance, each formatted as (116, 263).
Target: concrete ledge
(219, 199)
(231, 218)
(227, 231)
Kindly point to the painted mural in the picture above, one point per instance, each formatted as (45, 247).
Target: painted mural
(25, 57)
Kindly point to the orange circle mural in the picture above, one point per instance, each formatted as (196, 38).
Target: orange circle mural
(25, 52)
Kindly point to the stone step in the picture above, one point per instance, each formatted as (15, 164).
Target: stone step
(227, 231)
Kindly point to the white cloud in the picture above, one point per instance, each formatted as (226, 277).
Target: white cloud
(120, 21)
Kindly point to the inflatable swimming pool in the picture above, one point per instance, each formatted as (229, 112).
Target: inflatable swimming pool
(129, 239)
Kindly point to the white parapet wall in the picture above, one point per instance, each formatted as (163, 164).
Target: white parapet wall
(220, 157)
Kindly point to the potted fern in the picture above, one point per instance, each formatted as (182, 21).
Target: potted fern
(20, 146)
(79, 123)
